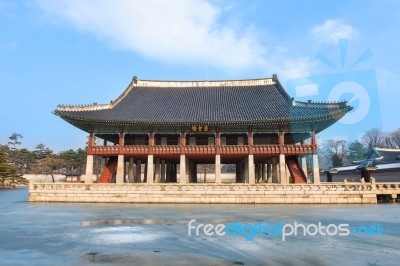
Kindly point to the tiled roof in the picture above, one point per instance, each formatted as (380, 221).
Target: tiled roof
(213, 103)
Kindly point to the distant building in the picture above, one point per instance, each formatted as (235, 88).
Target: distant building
(382, 164)
(172, 126)
(72, 177)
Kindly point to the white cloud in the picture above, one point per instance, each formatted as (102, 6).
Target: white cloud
(169, 31)
(332, 30)
(179, 32)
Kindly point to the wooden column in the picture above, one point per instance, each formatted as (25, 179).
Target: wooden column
(313, 141)
(281, 141)
(250, 141)
(183, 142)
(90, 143)
(121, 142)
(151, 142)
(217, 142)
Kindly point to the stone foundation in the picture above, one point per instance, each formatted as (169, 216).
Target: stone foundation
(344, 193)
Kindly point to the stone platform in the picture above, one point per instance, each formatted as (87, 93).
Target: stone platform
(326, 193)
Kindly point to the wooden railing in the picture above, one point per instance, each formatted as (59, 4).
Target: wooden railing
(234, 149)
(270, 149)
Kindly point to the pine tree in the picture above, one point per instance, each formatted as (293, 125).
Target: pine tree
(357, 151)
(7, 171)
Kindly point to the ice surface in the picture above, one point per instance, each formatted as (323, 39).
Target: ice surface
(156, 234)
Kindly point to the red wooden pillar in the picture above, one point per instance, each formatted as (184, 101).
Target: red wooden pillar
(183, 141)
(313, 141)
(151, 142)
(217, 141)
(90, 144)
(121, 142)
(281, 141)
(251, 141)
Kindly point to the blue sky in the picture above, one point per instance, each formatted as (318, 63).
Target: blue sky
(80, 52)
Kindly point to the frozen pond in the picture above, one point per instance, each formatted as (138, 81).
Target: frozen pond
(145, 234)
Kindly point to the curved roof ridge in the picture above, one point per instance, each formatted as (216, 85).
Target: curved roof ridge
(136, 83)
(321, 104)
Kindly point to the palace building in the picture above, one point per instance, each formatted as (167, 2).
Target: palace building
(171, 127)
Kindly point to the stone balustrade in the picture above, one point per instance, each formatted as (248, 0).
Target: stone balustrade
(211, 193)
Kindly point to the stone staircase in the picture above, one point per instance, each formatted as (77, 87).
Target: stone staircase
(108, 171)
(296, 172)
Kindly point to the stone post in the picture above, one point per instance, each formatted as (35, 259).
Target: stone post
(250, 167)
(182, 169)
(264, 172)
(138, 176)
(238, 172)
(130, 170)
(316, 176)
(246, 170)
(162, 171)
(275, 175)
(269, 171)
(282, 169)
(169, 177)
(120, 169)
(145, 172)
(150, 169)
(217, 169)
(187, 170)
(158, 171)
(89, 169)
